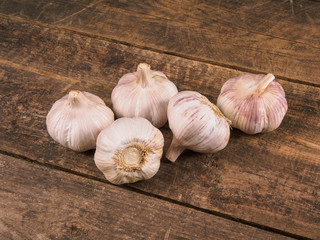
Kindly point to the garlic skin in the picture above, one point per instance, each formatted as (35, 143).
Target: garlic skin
(144, 93)
(129, 150)
(254, 103)
(196, 124)
(76, 120)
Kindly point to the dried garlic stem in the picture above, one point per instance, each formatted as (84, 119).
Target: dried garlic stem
(264, 83)
(76, 98)
(174, 150)
(73, 95)
(144, 74)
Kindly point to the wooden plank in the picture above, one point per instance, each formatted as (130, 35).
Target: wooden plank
(200, 34)
(42, 203)
(270, 179)
(297, 22)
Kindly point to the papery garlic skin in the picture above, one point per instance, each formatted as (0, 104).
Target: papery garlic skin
(254, 103)
(129, 150)
(76, 120)
(196, 124)
(144, 93)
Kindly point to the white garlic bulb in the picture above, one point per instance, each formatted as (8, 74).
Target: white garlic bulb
(144, 93)
(253, 102)
(76, 120)
(129, 150)
(196, 124)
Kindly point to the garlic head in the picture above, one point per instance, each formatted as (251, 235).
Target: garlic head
(129, 150)
(196, 124)
(253, 102)
(144, 93)
(76, 120)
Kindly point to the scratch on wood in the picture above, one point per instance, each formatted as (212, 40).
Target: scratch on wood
(38, 115)
(166, 236)
(174, 179)
(76, 13)
(292, 8)
(42, 92)
(314, 25)
(309, 144)
(44, 8)
(219, 6)
(42, 236)
(38, 71)
(67, 88)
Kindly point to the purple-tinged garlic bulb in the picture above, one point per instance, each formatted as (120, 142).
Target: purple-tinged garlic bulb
(196, 124)
(254, 103)
(76, 120)
(144, 93)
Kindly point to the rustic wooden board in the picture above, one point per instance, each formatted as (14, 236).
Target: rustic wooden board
(253, 44)
(268, 179)
(37, 202)
(297, 22)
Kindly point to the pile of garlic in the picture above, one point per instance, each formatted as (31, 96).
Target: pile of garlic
(130, 148)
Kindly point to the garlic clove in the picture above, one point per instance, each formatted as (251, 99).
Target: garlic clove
(129, 150)
(254, 103)
(196, 124)
(75, 120)
(144, 93)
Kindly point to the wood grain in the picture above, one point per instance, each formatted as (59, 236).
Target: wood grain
(269, 179)
(260, 37)
(41, 203)
(295, 22)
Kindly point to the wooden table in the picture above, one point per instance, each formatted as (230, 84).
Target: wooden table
(264, 186)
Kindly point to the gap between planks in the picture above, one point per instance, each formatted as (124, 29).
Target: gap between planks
(193, 58)
(215, 213)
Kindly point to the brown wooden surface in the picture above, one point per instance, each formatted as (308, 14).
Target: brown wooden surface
(269, 181)
(57, 205)
(255, 36)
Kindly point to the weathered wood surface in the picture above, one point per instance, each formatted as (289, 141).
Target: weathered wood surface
(260, 36)
(269, 179)
(37, 202)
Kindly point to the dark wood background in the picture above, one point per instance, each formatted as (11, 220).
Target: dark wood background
(265, 186)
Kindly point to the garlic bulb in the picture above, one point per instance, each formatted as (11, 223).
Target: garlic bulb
(197, 124)
(144, 93)
(254, 103)
(76, 120)
(129, 150)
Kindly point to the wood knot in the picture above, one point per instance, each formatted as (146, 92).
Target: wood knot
(74, 227)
